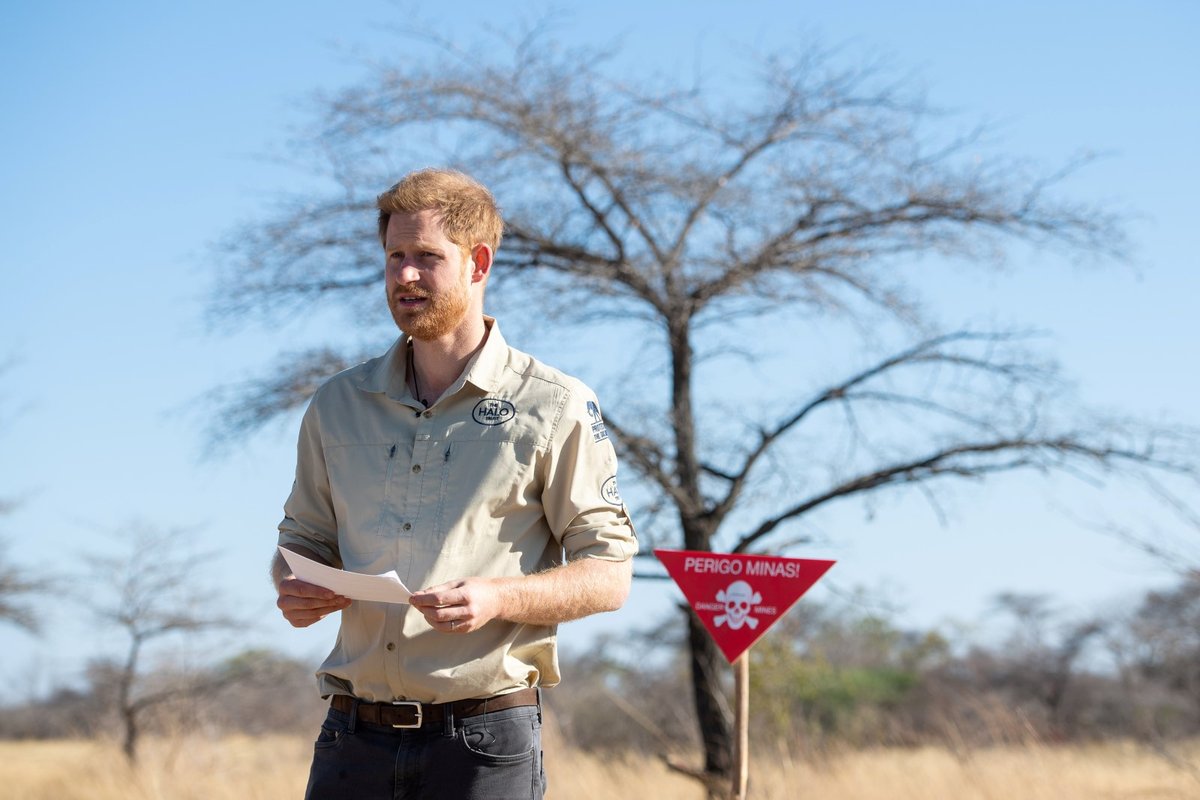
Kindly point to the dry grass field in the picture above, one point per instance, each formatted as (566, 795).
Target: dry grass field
(239, 768)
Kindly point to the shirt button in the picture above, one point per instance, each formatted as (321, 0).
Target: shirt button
(391, 645)
(416, 468)
(408, 526)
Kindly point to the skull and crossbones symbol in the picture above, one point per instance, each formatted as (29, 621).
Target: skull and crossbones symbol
(738, 599)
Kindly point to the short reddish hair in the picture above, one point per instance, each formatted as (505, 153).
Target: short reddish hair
(468, 211)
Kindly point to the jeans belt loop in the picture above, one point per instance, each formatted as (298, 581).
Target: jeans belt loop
(448, 720)
(350, 725)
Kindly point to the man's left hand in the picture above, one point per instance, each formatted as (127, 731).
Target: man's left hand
(459, 606)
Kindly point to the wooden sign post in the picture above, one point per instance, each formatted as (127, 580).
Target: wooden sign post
(741, 724)
(737, 598)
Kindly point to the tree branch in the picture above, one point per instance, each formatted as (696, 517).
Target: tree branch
(928, 352)
(955, 461)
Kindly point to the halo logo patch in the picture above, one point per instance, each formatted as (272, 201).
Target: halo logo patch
(609, 491)
(493, 411)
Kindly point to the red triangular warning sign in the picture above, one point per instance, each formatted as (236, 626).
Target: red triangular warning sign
(738, 597)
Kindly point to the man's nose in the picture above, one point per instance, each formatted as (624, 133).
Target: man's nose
(406, 272)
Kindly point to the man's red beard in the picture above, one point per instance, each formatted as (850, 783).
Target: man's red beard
(438, 316)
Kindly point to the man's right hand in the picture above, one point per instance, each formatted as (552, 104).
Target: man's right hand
(303, 603)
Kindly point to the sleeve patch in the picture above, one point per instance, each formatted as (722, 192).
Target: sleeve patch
(609, 492)
(599, 432)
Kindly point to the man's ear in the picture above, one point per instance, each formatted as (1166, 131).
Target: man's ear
(481, 262)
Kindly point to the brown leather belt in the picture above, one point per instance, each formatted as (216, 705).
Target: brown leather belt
(411, 714)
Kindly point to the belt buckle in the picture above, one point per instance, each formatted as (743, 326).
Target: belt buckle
(416, 706)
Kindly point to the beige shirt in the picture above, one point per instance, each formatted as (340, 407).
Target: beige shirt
(508, 471)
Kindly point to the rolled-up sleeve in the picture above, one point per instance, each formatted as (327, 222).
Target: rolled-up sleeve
(582, 504)
(308, 517)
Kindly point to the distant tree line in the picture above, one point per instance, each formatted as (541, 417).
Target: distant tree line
(833, 676)
(254, 692)
(826, 676)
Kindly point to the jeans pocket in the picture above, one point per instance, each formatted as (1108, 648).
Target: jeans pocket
(333, 730)
(502, 736)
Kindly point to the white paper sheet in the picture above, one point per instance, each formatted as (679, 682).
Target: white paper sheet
(385, 588)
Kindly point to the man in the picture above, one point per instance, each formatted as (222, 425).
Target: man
(470, 469)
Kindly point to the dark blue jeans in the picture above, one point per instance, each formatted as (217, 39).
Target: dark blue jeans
(492, 756)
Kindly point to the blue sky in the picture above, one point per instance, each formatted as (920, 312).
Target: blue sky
(135, 134)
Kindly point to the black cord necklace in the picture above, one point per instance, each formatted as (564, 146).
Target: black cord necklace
(412, 370)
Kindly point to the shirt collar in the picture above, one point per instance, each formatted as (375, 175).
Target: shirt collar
(487, 367)
(484, 370)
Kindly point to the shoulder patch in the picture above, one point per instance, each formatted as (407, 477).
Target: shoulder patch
(599, 432)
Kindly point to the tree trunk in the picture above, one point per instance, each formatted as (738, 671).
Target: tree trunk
(125, 704)
(683, 419)
(129, 743)
(707, 666)
(707, 663)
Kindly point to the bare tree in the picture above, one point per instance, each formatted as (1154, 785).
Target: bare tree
(1040, 659)
(702, 220)
(1163, 648)
(149, 590)
(18, 584)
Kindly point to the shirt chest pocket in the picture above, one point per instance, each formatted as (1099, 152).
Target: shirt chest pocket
(483, 483)
(358, 479)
